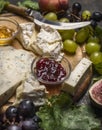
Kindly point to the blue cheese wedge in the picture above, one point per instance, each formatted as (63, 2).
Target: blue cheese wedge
(15, 74)
(71, 84)
(14, 65)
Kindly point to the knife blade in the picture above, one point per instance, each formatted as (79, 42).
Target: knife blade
(40, 20)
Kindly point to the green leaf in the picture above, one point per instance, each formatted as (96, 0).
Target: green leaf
(54, 116)
(29, 4)
(3, 4)
(80, 118)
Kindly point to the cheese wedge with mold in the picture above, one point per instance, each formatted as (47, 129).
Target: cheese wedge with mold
(71, 84)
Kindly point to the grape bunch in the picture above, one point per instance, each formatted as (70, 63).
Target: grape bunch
(75, 14)
(22, 117)
(90, 36)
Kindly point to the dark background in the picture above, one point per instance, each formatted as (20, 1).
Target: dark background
(92, 5)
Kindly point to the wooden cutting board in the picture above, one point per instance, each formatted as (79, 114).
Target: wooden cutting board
(74, 59)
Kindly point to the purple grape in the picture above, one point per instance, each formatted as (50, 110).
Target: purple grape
(36, 119)
(11, 113)
(76, 8)
(97, 16)
(14, 127)
(26, 109)
(29, 124)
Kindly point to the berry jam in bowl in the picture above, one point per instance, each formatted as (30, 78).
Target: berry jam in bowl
(49, 71)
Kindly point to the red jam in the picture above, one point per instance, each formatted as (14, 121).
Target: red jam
(50, 70)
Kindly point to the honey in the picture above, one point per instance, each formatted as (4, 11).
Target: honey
(5, 32)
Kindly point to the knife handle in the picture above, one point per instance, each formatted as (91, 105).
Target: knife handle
(17, 10)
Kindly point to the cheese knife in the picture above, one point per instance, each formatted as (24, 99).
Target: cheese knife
(40, 20)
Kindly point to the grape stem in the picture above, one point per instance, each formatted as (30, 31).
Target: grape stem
(76, 16)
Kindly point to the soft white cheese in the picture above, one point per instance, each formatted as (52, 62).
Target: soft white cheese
(27, 34)
(49, 35)
(31, 89)
(49, 41)
(70, 85)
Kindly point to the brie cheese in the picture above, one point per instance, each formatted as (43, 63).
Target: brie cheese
(27, 34)
(47, 41)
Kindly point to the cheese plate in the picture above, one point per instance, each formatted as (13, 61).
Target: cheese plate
(74, 59)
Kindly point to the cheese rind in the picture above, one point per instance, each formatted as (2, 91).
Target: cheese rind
(70, 85)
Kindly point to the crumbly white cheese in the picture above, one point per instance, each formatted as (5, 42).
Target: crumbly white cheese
(70, 85)
(31, 89)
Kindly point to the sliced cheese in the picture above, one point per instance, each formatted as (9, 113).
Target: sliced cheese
(71, 84)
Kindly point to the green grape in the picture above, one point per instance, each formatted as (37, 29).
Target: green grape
(93, 39)
(67, 34)
(70, 46)
(98, 67)
(92, 47)
(96, 57)
(51, 16)
(82, 35)
(86, 15)
(64, 20)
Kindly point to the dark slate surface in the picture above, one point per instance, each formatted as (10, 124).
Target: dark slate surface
(93, 5)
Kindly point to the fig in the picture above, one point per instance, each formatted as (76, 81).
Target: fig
(95, 93)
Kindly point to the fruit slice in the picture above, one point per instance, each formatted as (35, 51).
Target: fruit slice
(95, 93)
